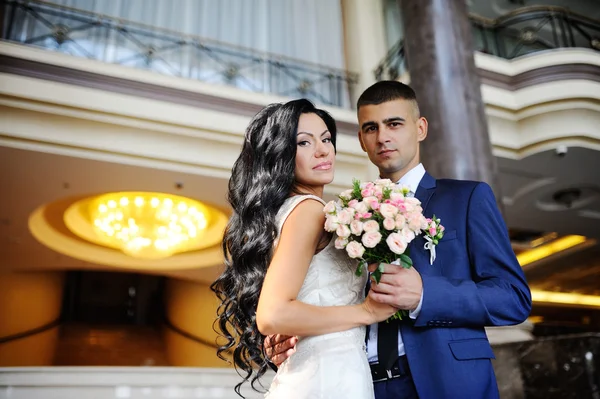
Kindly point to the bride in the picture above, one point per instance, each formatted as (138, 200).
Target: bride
(283, 274)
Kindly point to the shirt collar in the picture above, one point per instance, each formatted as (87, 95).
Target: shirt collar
(413, 177)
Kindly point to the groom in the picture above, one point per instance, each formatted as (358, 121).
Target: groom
(441, 351)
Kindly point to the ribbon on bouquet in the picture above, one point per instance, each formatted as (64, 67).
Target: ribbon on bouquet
(431, 247)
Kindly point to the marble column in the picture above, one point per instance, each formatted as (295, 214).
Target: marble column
(439, 53)
(364, 41)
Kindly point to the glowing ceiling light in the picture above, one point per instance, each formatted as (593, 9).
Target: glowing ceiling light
(148, 225)
(551, 248)
(565, 298)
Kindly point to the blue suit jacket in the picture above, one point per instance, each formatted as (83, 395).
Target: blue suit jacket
(475, 281)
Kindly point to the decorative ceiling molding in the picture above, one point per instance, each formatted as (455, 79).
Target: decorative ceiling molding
(220, 114)
(78, 77)
(554, 73)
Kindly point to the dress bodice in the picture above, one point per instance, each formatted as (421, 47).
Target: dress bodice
(331, 365)
(331, 278)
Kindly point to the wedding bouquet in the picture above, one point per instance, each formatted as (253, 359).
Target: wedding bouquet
(375, 221)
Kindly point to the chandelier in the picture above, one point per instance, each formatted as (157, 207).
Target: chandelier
(148, 225)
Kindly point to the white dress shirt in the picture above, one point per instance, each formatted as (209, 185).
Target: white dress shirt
(411, 180)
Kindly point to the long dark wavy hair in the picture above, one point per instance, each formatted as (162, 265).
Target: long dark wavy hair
(262, 178)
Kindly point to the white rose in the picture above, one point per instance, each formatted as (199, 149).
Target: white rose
(389, 224)
(356, 227)
(371, 239)
(413, 201)
(396, 196)
(370, 226)
(355, 249)
(330, 207)
(341, 242)
(345, 216)
(343, 231)
(331, 223)
(400, 221)
(409, 207)
(347, 195)
(407, 234)
(388, 210)
(361, 207)
(383, 182)
(396, 243)
(415, 222)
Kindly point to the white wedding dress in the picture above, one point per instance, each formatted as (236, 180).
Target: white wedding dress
(333, 365)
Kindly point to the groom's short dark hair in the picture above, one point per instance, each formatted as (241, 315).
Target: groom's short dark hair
(388, 90)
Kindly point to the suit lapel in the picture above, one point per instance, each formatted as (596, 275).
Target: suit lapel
(424, 193)
(425, 190)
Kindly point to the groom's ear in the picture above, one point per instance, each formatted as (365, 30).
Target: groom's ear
(362, 145)
(422, 126)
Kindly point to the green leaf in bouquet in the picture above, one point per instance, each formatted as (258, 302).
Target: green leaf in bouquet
(406, 261)
(378, 272)
(356, 191)
(398, 315)
(386, 193)
(359, 269)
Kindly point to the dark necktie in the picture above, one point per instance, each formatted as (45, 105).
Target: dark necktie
(387, 338)
(387, 343)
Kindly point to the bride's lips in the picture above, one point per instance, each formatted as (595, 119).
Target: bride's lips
(323, 166)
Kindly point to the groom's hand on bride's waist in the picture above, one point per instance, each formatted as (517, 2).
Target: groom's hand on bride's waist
(399, 287)
(279, 347)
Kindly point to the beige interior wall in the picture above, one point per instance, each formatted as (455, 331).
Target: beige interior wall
(191, 307)
(28, 301)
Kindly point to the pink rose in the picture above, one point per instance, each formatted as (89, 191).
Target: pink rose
(372, 202)
(378, 192)
(432, 231)
(383, 182)
(345, 216)
(356, 227)
(355, 249)
(365, 215)
(400, 221)
(330, 207)
(396, 243)
(389, 224)
(341, 242)
(371, 239)
(343, 231)
(352, 203)
(388, 211)
(368, 184)
(367, 192)
(371, 226)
